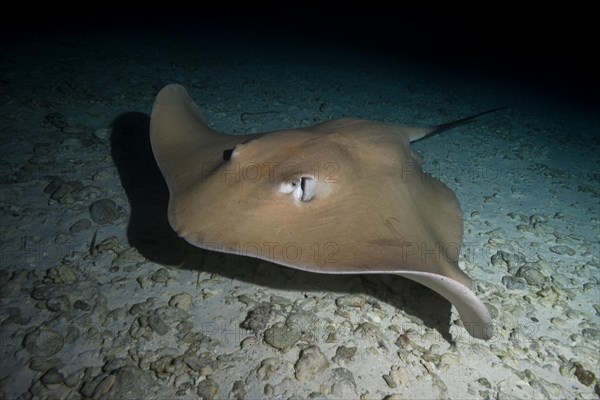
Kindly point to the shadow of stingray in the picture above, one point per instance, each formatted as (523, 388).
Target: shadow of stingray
(148, 230)
(150, 233)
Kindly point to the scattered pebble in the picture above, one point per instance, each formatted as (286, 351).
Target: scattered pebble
(52, 376)
(258, 318)
(369, 331)
(583, 375)
(589, 286)
(514, 282)
(351, 300)
(238, 391)
(43, 342)
(65, 273)
(82, 305)
(111, 244)
(208, 390)
(129, 382)
(563, 250)
(57, 120)
(81, 225)
(182, 301)
(591, 334)
(311, 362)
(307, 324)
(561, 280)
(196, 363)
(162, 275)
(58, 303)
(281, 336)
(531, 274)
(104, 211)
(343, 390)
(344, 353)
(485, 383)
(512, 262)
(389, 380)
(157, 324)
(394, 397)
(269, 390)
(42, 364)
(102, 134)
(65, 192)
(72, 143)
(268, 368)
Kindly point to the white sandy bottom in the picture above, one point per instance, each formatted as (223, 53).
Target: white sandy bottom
(164, 320)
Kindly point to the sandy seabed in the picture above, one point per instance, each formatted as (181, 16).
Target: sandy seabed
(101, 299)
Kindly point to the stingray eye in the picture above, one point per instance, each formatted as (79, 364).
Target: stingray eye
(289, 185)
(303, 188)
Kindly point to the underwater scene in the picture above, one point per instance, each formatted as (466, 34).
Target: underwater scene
(242, 214)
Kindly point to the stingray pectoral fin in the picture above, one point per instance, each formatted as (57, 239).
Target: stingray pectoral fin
(474, 314)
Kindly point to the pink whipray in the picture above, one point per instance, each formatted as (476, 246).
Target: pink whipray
(347, 196)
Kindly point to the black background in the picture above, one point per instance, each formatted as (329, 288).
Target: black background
(554, 45)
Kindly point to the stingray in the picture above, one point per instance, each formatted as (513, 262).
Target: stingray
(347, 196)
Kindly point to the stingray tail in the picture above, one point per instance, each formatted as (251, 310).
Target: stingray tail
(434, 130)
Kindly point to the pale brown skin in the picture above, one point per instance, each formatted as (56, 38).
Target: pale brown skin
(345, 196)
